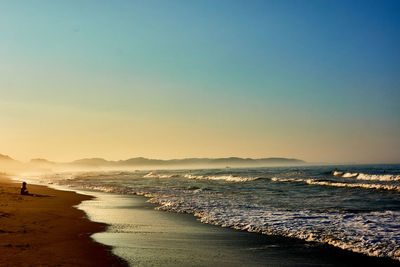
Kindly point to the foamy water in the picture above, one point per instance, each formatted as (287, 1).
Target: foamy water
(340, 184)
(364, 176)
(356, 208)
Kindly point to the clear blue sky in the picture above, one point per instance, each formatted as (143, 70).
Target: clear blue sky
(317, 80)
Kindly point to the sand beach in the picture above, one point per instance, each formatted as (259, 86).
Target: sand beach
(48, 231)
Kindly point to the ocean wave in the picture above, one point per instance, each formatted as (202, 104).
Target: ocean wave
(158, 175)
(364, 176)
(228, 178)
(356, 185)
(381, 177)
(358, 233)
(105, 188)
(374, 234)
(371, 233)
(339, 184)
(84, 175)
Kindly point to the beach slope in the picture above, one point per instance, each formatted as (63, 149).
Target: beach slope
(48, 230)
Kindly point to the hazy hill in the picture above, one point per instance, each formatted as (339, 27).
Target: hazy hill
(5, 158)
(41, 161)
(8, 164)
(39, 164)
(212, 162)
(92, 162)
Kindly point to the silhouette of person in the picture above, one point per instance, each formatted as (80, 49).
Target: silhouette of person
(24, 190)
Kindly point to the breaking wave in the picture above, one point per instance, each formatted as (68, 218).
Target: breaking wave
(270, 205)
(339, 184)
(157, 175)
(372, 233)
(364, 176)
(228, 178)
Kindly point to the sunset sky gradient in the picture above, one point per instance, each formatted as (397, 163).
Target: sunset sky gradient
(315, 80)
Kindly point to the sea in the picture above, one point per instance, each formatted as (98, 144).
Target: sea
(352, 207)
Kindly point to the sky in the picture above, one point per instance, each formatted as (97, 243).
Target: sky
(314, 80)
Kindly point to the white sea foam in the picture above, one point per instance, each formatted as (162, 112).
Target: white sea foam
(374, 233)
(355, 185)
(157, 175)
(277, 179)
(337, 173)
(339, 184)
(381, 177)
(349, 175)
(364, 176)
(228, 178)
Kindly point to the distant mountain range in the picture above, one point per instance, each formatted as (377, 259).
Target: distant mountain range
(93, 163)
(232, 161)
(5, 157)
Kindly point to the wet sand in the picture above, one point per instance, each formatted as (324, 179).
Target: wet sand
(48, 231)
(147, 237)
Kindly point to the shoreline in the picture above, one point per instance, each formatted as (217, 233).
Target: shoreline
(143, 236)
(48, 230)
(148, 237)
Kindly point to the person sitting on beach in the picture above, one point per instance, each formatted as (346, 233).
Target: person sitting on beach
(24, 190)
